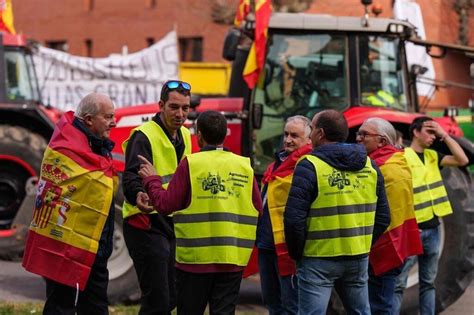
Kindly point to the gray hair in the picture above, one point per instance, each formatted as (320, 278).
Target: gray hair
(305, 120)
(384, 128)
(89, 105)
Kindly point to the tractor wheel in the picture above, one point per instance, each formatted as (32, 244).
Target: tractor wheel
(457, 241)
(21, 153)
(457, 247)
(123, 283)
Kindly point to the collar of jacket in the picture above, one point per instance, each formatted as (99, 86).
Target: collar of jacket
(99, 146)
(213, 147)
(287, 166)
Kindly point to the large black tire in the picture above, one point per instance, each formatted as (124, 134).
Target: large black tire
(456, 265)
(17, 146)
(123, 283)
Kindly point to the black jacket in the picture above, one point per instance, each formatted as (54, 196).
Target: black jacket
(304, 190)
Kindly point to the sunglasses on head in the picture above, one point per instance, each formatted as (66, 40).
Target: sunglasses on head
(175, 84)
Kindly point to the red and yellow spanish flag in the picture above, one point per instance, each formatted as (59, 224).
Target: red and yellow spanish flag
(6, 17)
(402, 237)
(256, 57)
(74, 196)
(242, 10)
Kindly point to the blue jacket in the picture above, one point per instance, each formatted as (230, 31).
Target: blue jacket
(304, 190)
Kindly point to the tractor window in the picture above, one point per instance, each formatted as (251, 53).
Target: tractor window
(381, 73)
(304, 74)
(17, 77)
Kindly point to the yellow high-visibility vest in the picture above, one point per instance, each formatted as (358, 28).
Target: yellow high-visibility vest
(164, 156)
(219, 226)
(430, 196)
(382, 99)
(341, 218)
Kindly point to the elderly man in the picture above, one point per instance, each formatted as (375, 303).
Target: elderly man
(336, 208)
(402, 238)
(431, 202)
(215, 208)
(277, 269)
(149, 235)
(70, 237)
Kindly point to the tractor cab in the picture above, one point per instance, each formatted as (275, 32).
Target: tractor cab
(318, 62)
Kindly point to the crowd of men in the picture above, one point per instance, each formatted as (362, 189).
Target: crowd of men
(330, 214)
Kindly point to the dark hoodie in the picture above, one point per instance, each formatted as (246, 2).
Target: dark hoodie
(304, 190)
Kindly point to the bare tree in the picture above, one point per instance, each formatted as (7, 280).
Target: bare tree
(223, 11)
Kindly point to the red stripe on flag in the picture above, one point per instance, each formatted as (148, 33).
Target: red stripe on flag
(57, 261)
(286, 265)
(70, 141)
(256, 58)
(394, 246)
(252, 265)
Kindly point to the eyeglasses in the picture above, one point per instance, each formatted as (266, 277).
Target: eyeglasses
(364, 134)
(175, 84)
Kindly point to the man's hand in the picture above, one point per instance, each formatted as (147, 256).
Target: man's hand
(143, 202)
(146, 168)
(433, 126)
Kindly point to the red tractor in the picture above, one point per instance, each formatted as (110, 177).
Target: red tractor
(313, 63)
(323, 62)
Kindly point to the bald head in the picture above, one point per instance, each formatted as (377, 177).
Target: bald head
(97, 112)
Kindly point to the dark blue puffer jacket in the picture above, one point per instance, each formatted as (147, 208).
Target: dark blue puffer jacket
(304, 190)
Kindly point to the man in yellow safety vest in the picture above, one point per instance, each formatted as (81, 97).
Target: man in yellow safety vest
(430, 202)
(336, 209)
(215, 202)
(149, 235)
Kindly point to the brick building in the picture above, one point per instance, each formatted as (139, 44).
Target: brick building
(98, 28)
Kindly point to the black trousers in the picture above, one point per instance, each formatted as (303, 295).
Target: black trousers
(220, 290)
(153, 256)
(60, 298)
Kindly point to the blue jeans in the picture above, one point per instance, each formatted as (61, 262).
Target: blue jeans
(280, 294)
(427, 270)
(382, 290)
(316, 279)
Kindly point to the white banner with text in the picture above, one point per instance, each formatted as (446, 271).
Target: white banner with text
(128, 80)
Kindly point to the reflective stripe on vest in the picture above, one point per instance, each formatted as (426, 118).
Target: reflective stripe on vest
(341, 218)
(430, 196)
(164, 156)
(381, 98)
(220, 223)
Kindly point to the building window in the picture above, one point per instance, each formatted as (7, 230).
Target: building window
(88, 5)
(58, 45)
(190, 48)
(150, 41)
(88, 47)
(150, 4)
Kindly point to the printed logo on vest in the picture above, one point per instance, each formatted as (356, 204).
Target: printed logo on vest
(338, 178)
(214, 183)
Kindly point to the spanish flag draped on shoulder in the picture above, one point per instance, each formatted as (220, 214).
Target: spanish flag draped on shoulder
(402, 237)
(6, 16)
(75, 192)
(256, 57)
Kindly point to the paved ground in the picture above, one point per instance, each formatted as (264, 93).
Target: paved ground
(17, 285)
